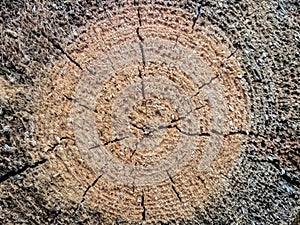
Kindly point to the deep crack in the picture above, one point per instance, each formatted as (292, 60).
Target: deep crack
(139, 16)
(143, 206)
(52, 148)
(89, 187)
(184, 132)
(143, 53)
(139, 35)
(177, 193)
(21, 170)
(170, 177)
(115, 140)
(232, 53)
(133, 186)
(198, 13)
(136, 144)
(246, 133)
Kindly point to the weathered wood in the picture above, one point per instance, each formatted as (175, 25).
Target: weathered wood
(53, 61)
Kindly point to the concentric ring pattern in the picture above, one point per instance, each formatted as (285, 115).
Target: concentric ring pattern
(153, 111)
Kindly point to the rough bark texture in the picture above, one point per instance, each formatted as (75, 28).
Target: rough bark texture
(47, 46)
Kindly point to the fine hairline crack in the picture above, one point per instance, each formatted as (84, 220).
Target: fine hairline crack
(207, 83)
(141, 40)
(82, 105)
(142, 82)
(173, 187)
(56, 45)
(109, 142)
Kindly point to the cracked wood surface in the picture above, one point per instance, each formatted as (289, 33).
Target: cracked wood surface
(46, 47)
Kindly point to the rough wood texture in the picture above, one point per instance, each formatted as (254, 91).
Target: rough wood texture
(154, 112)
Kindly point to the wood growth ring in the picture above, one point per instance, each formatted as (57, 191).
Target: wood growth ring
(154, 112)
